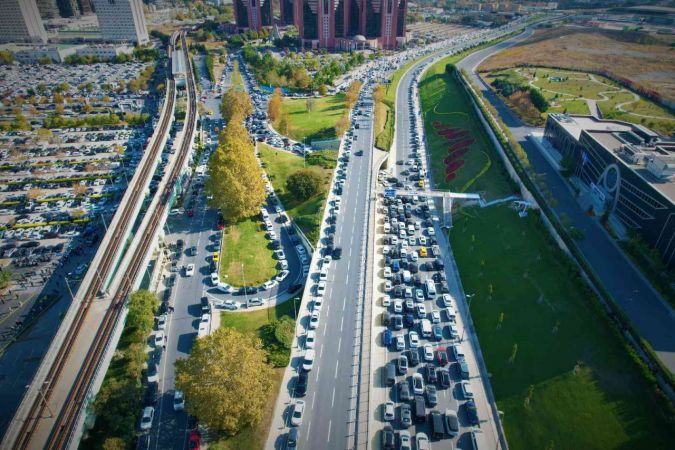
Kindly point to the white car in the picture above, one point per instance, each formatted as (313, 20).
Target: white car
(278, 209)
(428, 352)
(317, 303)
(308, 360)
(422, 441)
(224, 287)
(269, 284)
(190, 270)
(454, 331)
(161, 322)
(398, 306)
(321, 288)
(431, 231)
(467, 390)
(271, 235)
(418, 384)
(435, 316)
(310, 339)
(298, 413)
(389, 411)
(214, 279)
(146, 418)
(400, 342)
(281, 276)
(325, 262)
(228, 304)
(178, 401)
(419, 295)
(159, 338)
(386, 301)
(405, 441)
(283, 264)
(421, 310)
(280, 254)
(414, 339)
(447, 300)
(314, 320)
(387, 272)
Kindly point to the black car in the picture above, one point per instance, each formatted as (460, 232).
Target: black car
(388, 438)
(444, 377)
(292, 439)
(397, 322)
(359, 153)
(472, 412)
(247, 290)
(301, 384)
(409, 320)
(151, 394)
(413, 357)
(432, 377)
(206, 306)
(337, 253)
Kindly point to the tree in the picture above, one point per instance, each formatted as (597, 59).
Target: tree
(311, 104)
(323, 89)
(304, 183)
(114, 443)
(274, 105)
(5, 278)
(235, 178)
(142, 305)
(236, 103)
(214, 378)
(43, 134)
(283, 123)
(59, 108)
(87, 108)
(6, 57)
(378, 93)
(352, 93)
(342, 125)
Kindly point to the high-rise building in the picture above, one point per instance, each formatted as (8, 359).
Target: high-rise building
(20, 21)
(253, 14)
(68, 8)
(122, 20)
(348, 24)
(48, 9)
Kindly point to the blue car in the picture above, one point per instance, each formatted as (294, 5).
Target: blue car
(395, 266)
(437, 331)
(387, 338)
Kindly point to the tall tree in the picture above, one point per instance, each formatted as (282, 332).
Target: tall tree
(226, 389)
(235, 178)
(304, 183)
(236, 103)
(274, 105)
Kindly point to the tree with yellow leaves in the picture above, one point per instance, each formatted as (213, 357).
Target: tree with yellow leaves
(236, 103)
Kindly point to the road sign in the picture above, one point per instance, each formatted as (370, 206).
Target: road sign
(390, 193)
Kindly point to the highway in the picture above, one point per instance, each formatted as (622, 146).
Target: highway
(653, 318)
(329, 416)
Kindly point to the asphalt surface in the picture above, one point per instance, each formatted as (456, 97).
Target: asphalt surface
(652, 317)
(326, 422)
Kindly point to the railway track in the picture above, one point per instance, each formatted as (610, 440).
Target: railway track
(67, 417)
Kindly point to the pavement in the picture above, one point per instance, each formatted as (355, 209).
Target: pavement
(329, 419)
(653, 318)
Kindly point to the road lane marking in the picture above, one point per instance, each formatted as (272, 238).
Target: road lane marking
(337, 364)
(342, 322)
(321, 352)
(332, 403)
(313, 398)
(309, 427)
(330, 422)
(344, 303)
(339, 344)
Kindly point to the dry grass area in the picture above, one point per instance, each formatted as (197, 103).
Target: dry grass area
(651, 65)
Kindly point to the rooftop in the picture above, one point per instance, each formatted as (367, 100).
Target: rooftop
(648, 154)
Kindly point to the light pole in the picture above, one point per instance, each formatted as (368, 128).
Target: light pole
(468, 311)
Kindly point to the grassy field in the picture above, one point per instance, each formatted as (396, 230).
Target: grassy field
(443, 101)
(567, 91)
(237, 80)
(246, 259)
(558, 371)
(279, 165)
(317, 124)
(253, 438)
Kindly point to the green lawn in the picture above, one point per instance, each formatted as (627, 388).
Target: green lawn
(571, 383)
(279, 165)
(443, 100)
(253, 438)
(246, 259)
(317, 124)
(237, 81)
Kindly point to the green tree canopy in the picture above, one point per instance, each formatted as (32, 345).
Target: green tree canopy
(226, 380)
(235, 178)
(304, 183)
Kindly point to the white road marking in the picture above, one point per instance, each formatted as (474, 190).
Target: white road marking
(313, 398)
(342, 322)
(337, 364)
(339, 344)
(321, 352)
(344, 303)
(309, 427)
(332, 403)
(330, 422)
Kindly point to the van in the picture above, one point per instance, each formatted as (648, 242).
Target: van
(436, 425)
(420, 409)
(406, 276)
(431, 288)
(390, 374)
(387, 228)
(425, 328)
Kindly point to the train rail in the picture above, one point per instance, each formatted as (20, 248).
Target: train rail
(66, 419)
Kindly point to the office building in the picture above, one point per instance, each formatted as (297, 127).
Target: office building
(68, 8)
(253, 14)
(20, 21)
(351, 24)
(628, 172)
(48, 9)
(122, 20)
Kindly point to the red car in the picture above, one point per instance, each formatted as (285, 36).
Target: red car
(195, 440)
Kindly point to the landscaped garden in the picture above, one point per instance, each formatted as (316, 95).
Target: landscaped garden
(311, 119)
(560, 373)
(280, 165)
(246, 258)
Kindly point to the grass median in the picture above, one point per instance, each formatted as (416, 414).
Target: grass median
(317, 124)
(560, 373)
(253, 438)
(279, 165)
(246, 258)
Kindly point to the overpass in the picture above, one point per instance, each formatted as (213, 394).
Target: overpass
(52, 412)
